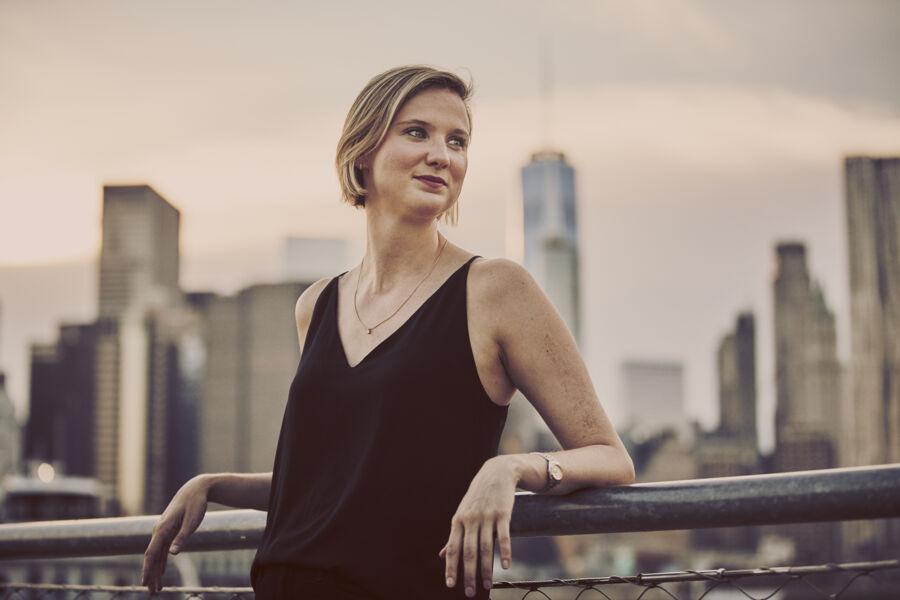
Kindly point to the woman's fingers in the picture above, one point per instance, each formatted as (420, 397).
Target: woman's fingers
(504, 541)
(451, 551)
(486, 552)
(475, 543)
(151, 555)
(156, 556)
(188, 524)
(470, 558)
(160, 569)
(145, 566)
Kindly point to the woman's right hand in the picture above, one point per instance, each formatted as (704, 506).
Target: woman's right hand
(181, 518)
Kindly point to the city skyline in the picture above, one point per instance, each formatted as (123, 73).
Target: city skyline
(673, 160)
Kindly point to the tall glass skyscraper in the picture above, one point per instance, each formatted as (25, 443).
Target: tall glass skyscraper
(551, 237)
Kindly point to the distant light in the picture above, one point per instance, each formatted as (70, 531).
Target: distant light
(46, 472)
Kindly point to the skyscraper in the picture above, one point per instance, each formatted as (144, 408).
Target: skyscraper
(732, 448)
(873, 227)
(176, 359)
(9, 433)
(139, 260)
(61, 401)
(551, 235)
(807, 430)
(806, 368)
(251, 340)
(42, 430)
(736, 359)
(139, 266)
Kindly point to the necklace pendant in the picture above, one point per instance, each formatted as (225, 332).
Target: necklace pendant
(369, 331)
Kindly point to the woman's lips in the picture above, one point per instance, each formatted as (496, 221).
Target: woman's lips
(434, 185)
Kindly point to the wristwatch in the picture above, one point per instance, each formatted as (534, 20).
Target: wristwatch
(554, 473)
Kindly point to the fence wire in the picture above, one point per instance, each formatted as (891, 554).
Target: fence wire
(883, 573)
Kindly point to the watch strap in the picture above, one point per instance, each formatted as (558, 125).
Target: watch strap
(551, 482)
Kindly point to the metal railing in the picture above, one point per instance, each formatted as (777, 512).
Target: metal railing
(797, 497)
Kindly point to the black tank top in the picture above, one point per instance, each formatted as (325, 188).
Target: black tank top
(373, 460)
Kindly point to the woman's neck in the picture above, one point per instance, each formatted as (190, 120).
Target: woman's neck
(398, 254)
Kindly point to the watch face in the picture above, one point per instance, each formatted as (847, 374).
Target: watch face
(556, 472)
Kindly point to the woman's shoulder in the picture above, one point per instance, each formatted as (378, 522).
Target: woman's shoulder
(495, 276)
(496, 284)
(311, 292)
(305, 306)
(307, 301)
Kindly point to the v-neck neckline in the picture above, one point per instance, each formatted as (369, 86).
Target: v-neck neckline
(336, 315)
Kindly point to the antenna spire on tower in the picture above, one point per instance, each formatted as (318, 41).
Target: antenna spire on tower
(545, 86)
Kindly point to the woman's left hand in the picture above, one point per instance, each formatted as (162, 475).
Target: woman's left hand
(487, 505)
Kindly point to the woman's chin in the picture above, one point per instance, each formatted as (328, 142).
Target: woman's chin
(430, 206)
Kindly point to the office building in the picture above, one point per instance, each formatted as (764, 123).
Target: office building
(873, 409)
(551, 233)
(806, 368)
(731, 450)
(736, 361)
(10, 440)
(139, 267)
(252, 354)
(139, 261)
(176, 362)
(807, 373)
(60, 427)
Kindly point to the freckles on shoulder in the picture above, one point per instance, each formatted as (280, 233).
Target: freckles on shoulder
(501, 289)
(502, 276)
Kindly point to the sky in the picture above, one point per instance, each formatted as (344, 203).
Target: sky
(702, 133)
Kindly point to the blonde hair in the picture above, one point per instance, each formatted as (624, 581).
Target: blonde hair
(371, 115)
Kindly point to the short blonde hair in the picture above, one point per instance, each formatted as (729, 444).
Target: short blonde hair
(371, 115)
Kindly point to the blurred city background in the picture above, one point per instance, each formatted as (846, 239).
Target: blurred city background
(709, 192)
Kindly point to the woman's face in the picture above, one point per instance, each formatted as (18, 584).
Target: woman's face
(427, 139)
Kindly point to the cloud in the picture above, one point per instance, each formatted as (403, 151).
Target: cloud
(680, 27)
(619, 133)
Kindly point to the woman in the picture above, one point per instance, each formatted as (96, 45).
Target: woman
(387, 482)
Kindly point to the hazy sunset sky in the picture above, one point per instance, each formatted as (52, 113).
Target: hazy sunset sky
(701, 132)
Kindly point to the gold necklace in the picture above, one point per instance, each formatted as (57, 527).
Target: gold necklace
(358, 275)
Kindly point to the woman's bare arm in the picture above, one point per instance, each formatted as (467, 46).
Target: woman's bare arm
(541, 359)
(239, 490)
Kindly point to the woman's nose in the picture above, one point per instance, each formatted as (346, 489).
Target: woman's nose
(438, 155)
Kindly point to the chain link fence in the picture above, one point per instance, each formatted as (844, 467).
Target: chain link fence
(869, 580)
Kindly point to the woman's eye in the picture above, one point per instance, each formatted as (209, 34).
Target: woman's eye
(460, 142)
